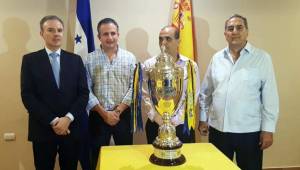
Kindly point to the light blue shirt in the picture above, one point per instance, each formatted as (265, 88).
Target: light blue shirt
(240, 97)
(50, 58)
(110, 82)
(69, 115)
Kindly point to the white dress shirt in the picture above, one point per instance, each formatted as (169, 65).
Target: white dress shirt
(240, 97)
(69, 115)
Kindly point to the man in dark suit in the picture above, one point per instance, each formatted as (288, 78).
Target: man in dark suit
(55, 93)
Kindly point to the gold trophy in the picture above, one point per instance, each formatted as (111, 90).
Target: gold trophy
(165, 88)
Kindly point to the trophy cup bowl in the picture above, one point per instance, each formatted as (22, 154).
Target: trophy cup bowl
(165, 88)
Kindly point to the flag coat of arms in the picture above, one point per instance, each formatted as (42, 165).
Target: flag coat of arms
(183, 20)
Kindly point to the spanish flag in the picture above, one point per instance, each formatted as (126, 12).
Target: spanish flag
(183, 20)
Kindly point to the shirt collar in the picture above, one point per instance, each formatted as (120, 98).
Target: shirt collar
(102, 51)
(49, 51)
(181, 59)
(247, 49)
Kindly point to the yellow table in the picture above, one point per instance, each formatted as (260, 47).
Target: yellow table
(199, 156)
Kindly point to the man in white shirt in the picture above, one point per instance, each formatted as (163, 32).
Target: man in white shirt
(169, 37)
(239, 99)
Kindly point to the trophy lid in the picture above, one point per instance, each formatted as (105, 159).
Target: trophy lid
(164, 60)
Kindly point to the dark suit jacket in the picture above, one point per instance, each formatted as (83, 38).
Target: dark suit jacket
(44, 100)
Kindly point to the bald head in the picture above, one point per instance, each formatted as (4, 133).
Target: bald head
(172, 29)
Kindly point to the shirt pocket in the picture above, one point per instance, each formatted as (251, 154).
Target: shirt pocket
(251, 77)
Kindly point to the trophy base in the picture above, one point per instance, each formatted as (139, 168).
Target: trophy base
(167, 162)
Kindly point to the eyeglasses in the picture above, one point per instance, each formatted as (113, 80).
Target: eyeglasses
(238, 28)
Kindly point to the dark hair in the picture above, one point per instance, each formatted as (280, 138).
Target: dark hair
(237, 16)
(50, 17)
(107, 21)
(176, 33)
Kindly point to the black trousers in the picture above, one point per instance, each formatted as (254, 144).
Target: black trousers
(101, 133)
(84, 157)
(244, 145)
(45, 153)
(152, 131)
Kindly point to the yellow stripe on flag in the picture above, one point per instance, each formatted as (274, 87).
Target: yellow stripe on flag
(182, 19)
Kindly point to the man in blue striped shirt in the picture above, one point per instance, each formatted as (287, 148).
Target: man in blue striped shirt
(239, 98)
(110, 74)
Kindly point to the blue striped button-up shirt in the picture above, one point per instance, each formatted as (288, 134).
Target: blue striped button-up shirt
(240, 97)
(110, 82)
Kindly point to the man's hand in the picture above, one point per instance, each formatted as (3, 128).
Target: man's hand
(266, 140)
(61, 126)
(119, 108)
(203, 128)
(111, 118)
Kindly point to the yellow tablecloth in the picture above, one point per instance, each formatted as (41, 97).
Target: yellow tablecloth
(199, 156)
